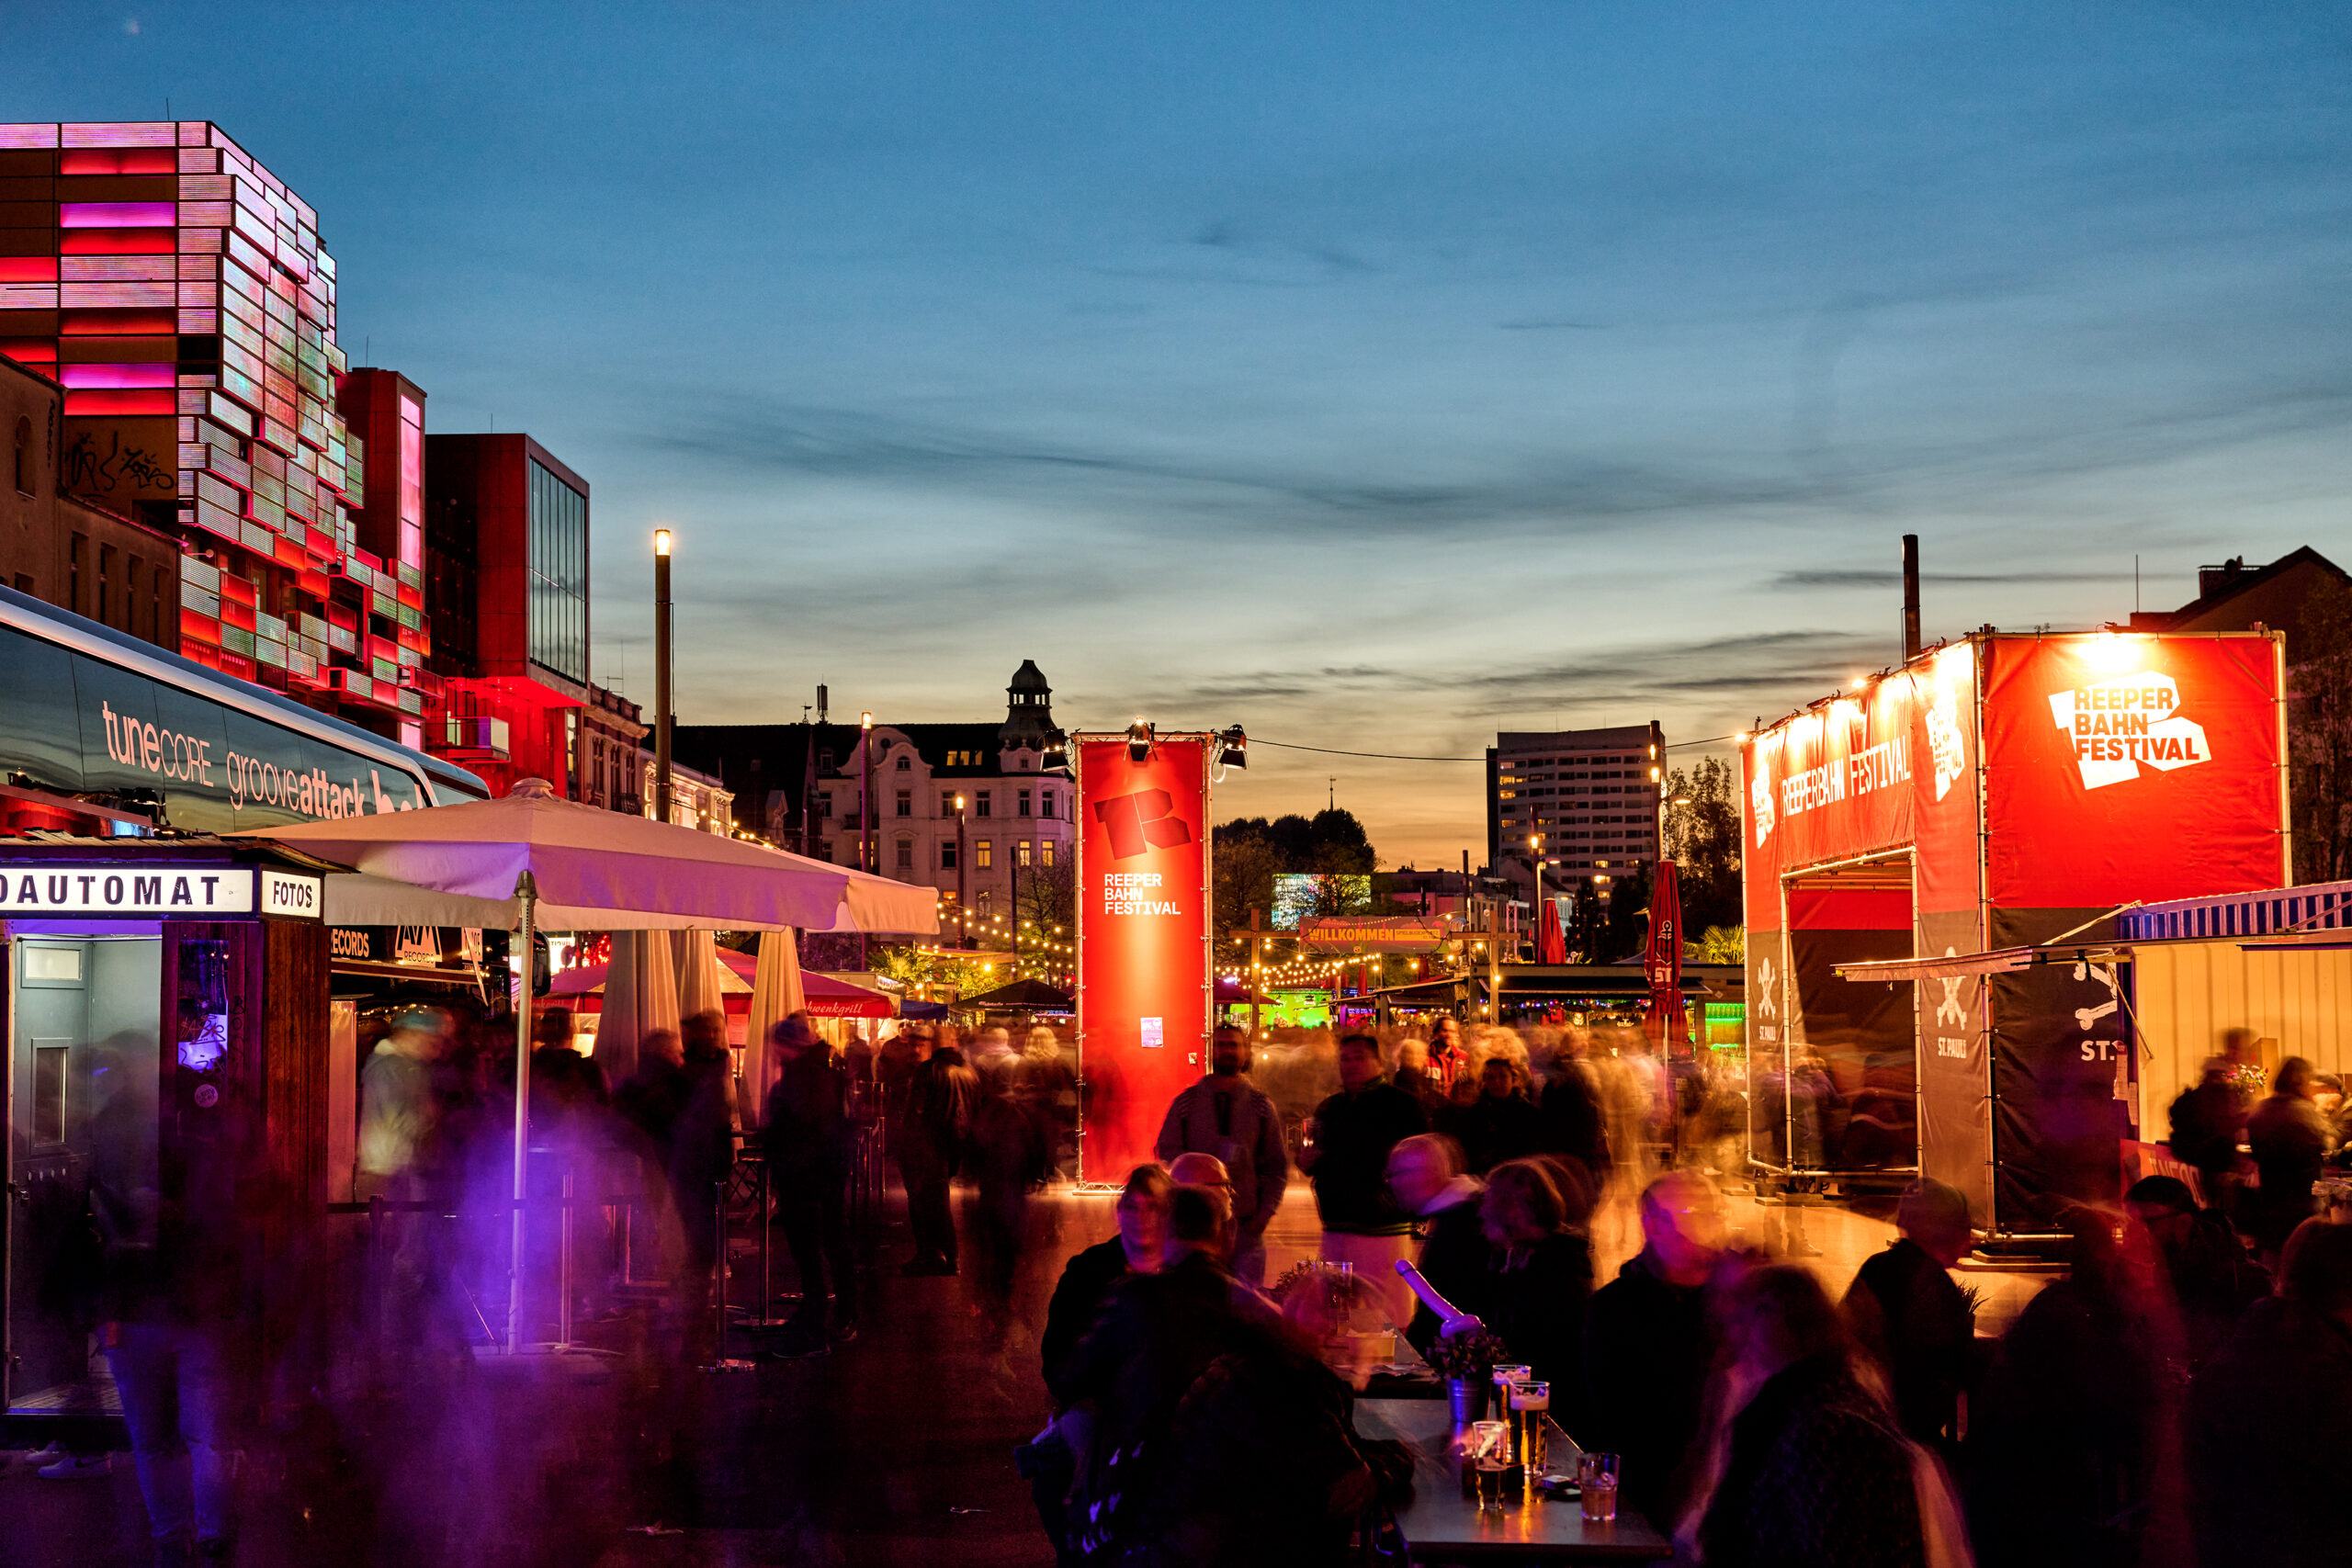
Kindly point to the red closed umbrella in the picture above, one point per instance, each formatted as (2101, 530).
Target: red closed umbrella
(1551, 939)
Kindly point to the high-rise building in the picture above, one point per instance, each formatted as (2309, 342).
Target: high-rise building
(1591, 795)
(179, 293)
(506, 578)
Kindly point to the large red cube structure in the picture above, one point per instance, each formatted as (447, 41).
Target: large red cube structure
(1996, 793)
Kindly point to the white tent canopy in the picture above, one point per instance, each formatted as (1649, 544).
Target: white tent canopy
(597, 870)
(529, 859)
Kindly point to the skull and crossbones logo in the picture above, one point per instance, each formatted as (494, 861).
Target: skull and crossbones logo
(1949, 1010)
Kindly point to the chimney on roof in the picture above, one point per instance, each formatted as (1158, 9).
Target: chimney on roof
(1910, 597)
(2212, 580)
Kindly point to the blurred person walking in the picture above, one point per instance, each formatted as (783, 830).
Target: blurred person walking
(1346, 1157)
(2208, 1123)
(1813, 1471)
(1051, 1460)
(808, 1141)
(1537, 1281)
(2212, 1281)
(1007, 1159)
(1226, 1116)
(702, 1158)
(1503, 1122)
(1426, 1176)
(1650, 1345)
(400, 1160)
(1156, 1334)
(1910, 1318)
(943, 1096)
(178, 1302)
(2073, 1445)
(2290, 1141)
(2264, 1475)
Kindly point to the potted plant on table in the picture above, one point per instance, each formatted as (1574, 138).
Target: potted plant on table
(1466, 1361)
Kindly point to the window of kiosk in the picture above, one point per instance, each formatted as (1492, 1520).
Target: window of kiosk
(82, 1075)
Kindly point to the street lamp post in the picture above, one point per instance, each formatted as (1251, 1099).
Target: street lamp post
(963, 912)
(661, 786)
(865, 822)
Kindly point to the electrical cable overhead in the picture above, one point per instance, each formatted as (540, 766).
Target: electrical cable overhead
(1400, 756)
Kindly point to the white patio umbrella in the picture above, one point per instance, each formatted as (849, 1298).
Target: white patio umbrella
(641, 995)
(775, 996)
(530, 860)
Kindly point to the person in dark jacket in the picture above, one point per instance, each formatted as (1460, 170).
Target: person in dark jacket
(943, 1096)
(1816, 1472)
(702, 1156)
(1347, 1158)
(1913, 1321)
(1227, 1116)
(2213, 1282)
(2289, 1144)
(1649, 1345)
(1156, 1334)
(1538, 1277)
(1572, 1123)
(807, 1145)
(2207, 1121)
(1087, 1280)
(1426, 1178)
(1503, 1123)
(2265, 1416)
(2073, 1445)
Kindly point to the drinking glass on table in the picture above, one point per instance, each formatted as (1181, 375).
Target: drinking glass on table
(1487, 1453)
(1531, 1404)
(1508, 1375)
(1597, 1476)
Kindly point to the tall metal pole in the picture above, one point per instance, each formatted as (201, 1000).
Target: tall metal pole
(527, 896)
(1910, 597)
(963, 913)
(661, 789)
(866, 822)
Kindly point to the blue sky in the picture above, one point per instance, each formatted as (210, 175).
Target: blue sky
(1374, 376)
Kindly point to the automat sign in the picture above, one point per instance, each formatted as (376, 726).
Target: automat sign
(153, 891)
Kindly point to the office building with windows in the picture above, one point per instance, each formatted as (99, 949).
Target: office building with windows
(1591, 795)
(506, 577)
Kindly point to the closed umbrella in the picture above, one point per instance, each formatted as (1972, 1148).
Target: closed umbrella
(776, 995)
(641, 995)
(530, 859)
(699, 986)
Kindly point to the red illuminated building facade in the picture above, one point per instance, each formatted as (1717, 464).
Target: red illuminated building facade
(179, 294)
(507, 554)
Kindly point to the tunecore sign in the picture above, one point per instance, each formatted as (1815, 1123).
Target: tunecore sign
(112, 889)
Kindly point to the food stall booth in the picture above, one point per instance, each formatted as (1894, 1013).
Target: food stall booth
(1934, 863)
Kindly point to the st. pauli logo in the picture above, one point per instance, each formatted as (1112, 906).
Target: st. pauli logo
(2125, 723)
(1759, 801)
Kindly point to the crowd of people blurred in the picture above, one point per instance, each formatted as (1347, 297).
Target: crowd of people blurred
(2168, 1400)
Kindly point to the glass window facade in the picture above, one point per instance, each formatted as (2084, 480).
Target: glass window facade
(558, 576)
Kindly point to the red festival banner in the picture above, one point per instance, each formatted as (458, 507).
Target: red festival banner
(1143, 939)
(1662, 961)
(2122, 767)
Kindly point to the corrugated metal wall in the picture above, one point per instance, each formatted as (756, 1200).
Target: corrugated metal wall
(2186, 993)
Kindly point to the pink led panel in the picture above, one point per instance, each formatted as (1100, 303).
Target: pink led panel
(116, 214)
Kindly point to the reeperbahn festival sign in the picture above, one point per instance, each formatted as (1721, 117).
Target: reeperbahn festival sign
(2000, 792)
(93, 712)
(1143, 939)
(1374, 933)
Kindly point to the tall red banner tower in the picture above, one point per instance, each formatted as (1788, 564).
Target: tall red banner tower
(1143, 937)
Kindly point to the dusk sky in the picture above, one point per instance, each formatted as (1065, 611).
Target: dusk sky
(1373, 375)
